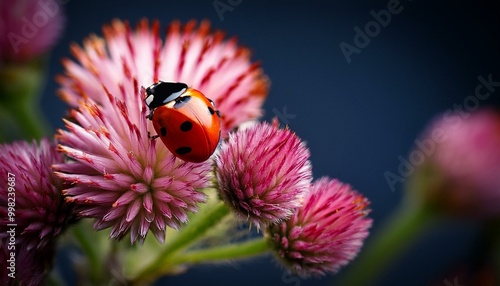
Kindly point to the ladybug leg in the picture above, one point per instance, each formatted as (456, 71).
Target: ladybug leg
(154, 137)
(150, 115)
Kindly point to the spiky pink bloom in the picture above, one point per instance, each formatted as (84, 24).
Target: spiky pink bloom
(121, 177)
(465, 154)
(28, 28)
(263, 172)
(32, 207)
(325, 233)
(40, 210)
(219, 68)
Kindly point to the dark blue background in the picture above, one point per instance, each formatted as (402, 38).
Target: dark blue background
(357, 118)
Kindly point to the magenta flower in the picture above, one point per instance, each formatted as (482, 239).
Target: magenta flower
(40, 210)
(32, 209)
(28, 28)
(122, 178)
(126, 181)
(464, 153)
(325, 233)
(263, 172)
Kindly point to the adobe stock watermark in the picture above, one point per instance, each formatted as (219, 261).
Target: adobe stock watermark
(222, 6)
(453, 116)
(11, 225)
(372, 29)
(288, 278)
(30, 27)
(283, 115)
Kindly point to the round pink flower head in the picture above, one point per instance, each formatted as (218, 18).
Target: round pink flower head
(28, 28)
(119, 176)
(33, 192)
(325, 233)
(263, 172)
(32, 209)
(463, 154)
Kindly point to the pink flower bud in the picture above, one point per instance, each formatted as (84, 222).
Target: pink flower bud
(325, 233)
(263, 173)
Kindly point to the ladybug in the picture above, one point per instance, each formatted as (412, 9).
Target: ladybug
(186, 121)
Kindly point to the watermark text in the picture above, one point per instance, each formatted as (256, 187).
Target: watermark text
(11, 225)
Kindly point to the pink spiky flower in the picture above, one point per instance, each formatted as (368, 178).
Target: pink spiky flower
(126, 181)
(463, 153)
(28, 28)
(40, 210)
(263, 172)
(202, 59)
(31, 207)
(325, 233)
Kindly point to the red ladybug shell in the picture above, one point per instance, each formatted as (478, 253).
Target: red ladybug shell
(189, 126)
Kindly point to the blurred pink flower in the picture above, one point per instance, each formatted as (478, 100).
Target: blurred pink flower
(121, 177)
(28, 28)
(467, 159)
(263, 172)
(31, 207)
(325, 233)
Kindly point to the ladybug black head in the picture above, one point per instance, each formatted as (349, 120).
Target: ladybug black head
(163, 92)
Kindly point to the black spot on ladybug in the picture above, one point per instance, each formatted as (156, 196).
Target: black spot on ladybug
(163, 131)
(180, 101)
(211, 110)
(183, 150)
(186, 126)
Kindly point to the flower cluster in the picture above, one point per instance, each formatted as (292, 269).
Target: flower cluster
(133, 184)
(119, 176)
(106, 166)
(263, 174)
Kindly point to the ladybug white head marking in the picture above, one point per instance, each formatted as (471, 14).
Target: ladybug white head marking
(149, 99)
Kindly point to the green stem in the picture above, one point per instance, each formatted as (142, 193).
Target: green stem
(90, 247)
(242, 250)
(30, 120)
(198, 226)
(402, 229)
(20, 89)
